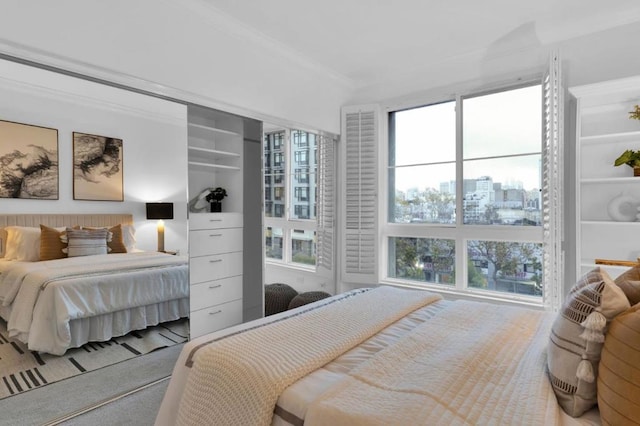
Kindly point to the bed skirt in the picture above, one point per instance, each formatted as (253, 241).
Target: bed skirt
(104, 327)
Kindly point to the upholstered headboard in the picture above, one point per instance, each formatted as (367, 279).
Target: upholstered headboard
(57, 220)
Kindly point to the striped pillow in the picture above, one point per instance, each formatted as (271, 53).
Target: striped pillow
(86, 242)
(576, 340)
(116, 244)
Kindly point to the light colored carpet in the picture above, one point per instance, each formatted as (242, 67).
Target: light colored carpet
(22, 370)
(50, 404)
(139, 409)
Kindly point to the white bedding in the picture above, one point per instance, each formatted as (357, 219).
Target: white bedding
(46, 297)
(533, 399)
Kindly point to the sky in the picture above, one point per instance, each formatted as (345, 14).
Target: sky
(498, 124)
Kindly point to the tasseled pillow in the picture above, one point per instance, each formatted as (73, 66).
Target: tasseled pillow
(577, 337)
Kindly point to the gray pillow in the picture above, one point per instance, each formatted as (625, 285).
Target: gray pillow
(577, 337)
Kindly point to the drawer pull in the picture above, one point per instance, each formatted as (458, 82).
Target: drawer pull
(215, 286)
(215, 220)
(216, 312)
(215, 260)
(215, 235)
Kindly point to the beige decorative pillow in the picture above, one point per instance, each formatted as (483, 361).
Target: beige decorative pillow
(116, 245)
(629, 282)
(50, 244)
(577, 336)
(86, 242)
(619, 371)
(23, 243)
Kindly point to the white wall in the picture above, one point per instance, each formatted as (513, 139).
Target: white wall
(183, 45)
(153, 131)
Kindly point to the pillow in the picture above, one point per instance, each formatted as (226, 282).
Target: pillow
(116, 245)
(129, 237)
(619, 371)
(576, 339)
(629, 282)
(51, 245)
(86, 242)
(23, 243)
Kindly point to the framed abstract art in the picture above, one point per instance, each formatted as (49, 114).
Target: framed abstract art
(97, 168)
(28, 161)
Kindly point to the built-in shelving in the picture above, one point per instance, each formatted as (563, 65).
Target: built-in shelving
(225, 247)
(603, 132)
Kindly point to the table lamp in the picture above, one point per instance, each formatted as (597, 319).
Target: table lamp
(160, 212)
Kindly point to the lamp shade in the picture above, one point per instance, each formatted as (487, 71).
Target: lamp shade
(159, 210)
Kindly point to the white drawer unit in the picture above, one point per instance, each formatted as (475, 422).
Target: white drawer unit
(215, 241)
(211, 293)
(215, 267)
(215, 318)
(215, 271)
(214, 220)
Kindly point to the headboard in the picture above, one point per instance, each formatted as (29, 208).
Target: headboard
(58, 220)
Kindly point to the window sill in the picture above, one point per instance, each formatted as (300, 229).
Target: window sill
(489, 297)
(292, 266)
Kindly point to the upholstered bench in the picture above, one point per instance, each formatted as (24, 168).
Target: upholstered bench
(307, 297)
(277, 297)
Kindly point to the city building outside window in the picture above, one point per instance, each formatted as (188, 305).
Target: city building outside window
(290, 197)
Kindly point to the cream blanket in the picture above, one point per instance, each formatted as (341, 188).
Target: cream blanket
(473, 363)
(237, 380)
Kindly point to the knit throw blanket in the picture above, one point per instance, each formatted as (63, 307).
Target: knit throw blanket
(472, 364)
(237, 380)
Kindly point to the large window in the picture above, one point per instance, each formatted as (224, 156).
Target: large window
(465, 194)
(290, 196)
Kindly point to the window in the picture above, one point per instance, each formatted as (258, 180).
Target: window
(302, 157)
(465, 198)
(302, 193)
(302, 176)
(291, 197)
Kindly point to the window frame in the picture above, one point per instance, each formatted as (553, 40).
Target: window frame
(459, 232)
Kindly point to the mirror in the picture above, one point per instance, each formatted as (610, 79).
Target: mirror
(154, 166)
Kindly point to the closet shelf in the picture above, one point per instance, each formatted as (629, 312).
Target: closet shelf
(210, 166)
(213, 129)
(215, 152)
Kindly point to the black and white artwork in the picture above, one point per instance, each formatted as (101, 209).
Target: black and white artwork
(97, 168)
(28, 161)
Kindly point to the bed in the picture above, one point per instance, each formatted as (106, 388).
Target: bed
(60, 303)
(376, 356)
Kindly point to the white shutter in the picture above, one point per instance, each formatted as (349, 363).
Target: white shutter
(552, 183)
(360, 134)
(326, 192)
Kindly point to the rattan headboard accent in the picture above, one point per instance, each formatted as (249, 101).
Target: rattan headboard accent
(57, 220)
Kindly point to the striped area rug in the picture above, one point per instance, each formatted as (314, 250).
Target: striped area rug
(22, 370)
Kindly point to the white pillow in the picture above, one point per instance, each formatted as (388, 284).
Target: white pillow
(129, 237)
(86, 242)
(23, 243)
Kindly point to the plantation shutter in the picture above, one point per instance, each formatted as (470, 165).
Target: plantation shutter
(360, 194)
(552, 183)
(326, 193)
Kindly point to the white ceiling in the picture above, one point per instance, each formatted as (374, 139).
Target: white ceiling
(364, 42)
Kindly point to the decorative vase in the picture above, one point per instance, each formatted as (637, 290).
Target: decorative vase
(216, 207)
(636, 171)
